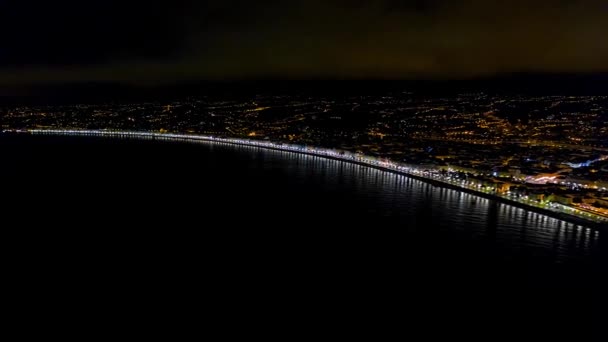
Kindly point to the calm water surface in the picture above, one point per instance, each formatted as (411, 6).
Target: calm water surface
(298, 218)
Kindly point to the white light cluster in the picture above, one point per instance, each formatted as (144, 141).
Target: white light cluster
(323, 152)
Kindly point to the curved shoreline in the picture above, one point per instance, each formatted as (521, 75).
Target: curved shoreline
(322, 153)
(434, 182)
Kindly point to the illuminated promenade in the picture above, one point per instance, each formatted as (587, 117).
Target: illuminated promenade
(433, 176)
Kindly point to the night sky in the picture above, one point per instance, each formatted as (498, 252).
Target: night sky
(167, 41)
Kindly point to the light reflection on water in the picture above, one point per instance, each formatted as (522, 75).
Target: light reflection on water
(435, 223)
(479, 217)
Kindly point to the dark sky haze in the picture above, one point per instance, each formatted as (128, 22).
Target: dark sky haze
(169, 41)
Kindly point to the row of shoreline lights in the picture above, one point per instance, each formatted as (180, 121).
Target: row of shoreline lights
(348, 156)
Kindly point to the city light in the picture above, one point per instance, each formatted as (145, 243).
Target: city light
(585, 212)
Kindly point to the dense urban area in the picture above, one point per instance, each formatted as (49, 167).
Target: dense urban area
(544, 149)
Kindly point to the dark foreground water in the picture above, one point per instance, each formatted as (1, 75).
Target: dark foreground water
(261, 224)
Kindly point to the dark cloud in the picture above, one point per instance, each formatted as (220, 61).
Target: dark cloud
(178, 40)
(85, 32)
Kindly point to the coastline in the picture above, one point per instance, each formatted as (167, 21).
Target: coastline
(434, 182)
(322, 153)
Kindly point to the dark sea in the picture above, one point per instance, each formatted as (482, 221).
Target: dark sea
(262, 229)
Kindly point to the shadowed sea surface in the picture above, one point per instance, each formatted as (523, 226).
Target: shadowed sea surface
(235, 215)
